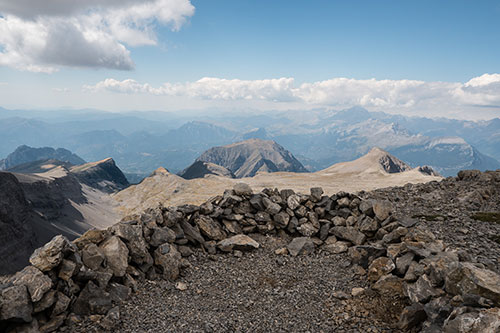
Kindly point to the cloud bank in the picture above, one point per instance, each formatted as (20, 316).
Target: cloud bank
(42, 36)
(337, 92)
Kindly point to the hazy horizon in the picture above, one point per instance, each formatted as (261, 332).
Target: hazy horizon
(414, 58)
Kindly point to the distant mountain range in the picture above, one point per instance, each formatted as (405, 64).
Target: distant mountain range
(140, 142)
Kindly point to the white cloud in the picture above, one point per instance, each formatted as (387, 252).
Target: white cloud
(279, 90)
(410, 96)
(41, 36)
(61, 90)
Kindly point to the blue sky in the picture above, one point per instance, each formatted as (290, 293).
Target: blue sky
(441, 57)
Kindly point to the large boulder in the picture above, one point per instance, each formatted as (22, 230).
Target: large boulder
(239, 242)
(382, 209)
(466, 278)
(36, 282)
(116, 253)
(92, 256)
(210, 228)
(51, 254)
(134, 239)
(168, 258)
(92, 300)
(349, 233)
(16, 305)
(482, 321)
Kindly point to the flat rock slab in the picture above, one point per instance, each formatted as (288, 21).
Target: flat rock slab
(239, 242)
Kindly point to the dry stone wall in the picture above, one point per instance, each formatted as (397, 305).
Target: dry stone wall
(96, 272)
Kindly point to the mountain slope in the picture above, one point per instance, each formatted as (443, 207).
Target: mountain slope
(247, 158)
(377, 169)
(200, 169)
(25, 154)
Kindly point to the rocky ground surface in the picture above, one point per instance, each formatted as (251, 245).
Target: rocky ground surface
(259, 292)
(463, 212)
(418, 258)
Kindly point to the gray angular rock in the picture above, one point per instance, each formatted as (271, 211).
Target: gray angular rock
(403, 262)
(485, 320)
(92, 256)
(36, 282)
(46, 302)
(368, 225)
(422, 291)
(51, 254)
(300, 246)
(382, 209)
(349, 233)
(92, 300)
(271, 207)
(162, 235)
(192, 233)
(61, 305)
(168, 259)
(16, 304)
(116, 254)
(307, 229)
(465, 278)
(242, 189)
(66, 270)
(238, 242)
(366, 207)
(134, 239)
(316, 193)
(210, 228)
(281, 219)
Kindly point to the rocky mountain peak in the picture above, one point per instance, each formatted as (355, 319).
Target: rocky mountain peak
(246, 158)
(103, 174)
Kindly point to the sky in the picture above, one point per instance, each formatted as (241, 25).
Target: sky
(421, 58)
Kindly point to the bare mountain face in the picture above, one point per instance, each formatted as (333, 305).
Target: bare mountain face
(103, 175)
(247, 158)
(54, 198)
(25, 154)
(377, 169)
(200, 169)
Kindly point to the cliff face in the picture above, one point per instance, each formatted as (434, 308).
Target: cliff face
(16, 232)
(103, 175)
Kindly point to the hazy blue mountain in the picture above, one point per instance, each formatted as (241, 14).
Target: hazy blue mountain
(25, 154)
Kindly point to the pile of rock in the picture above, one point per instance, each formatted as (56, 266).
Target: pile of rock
(92, 275)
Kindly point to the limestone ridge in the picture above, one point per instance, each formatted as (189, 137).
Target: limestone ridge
(200, 169)
(401, 256)
(24, 154)
(247, 158)
(104, 175)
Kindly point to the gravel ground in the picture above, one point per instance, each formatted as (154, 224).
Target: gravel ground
(260, 292)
